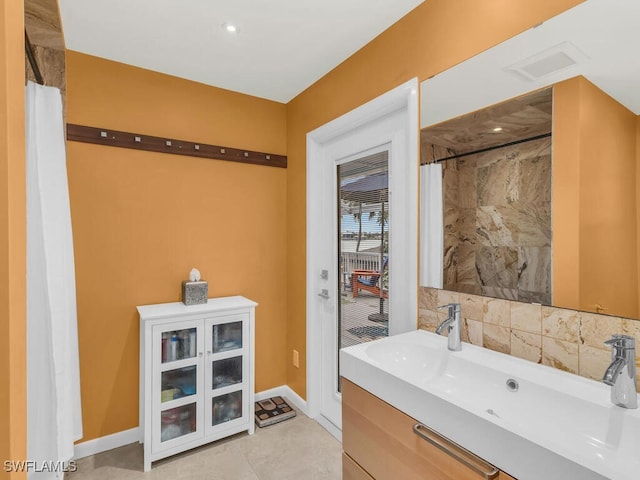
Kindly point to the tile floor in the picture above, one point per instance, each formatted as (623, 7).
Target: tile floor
(298, 448)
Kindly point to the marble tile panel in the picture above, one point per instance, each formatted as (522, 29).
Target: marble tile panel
(467, 162)
(472, 307)
(450, 267)
(534, 269)
(526, 317)
(497, 226)
(534, 228)
(496, 158)
(535, 181)
(450, 188)
(561, 324)
(467, 181)
(497, 292)
(527, 346)
(534, 149)
(445, 297)
(596, 329)
(466, 226)
(632, 327)
(428, 319)
(498, 267)
(593, 361)
(466, 265)
(498, 183)
(472, 332)
(560, 355)
(450, 217)
(496, 338)
(496, 311)
(428, 328)
(542, 298)
(470, 288)
(427, 298)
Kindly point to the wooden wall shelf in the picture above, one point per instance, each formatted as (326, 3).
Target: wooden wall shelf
(115, 138)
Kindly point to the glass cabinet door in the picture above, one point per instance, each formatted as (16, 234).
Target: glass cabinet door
(225, 408)
(178, 383)
(226, 336)
(178, 421)
(227, 371)
(179, 344)
(178, 380)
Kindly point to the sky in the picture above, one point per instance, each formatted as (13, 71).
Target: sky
(349, 224)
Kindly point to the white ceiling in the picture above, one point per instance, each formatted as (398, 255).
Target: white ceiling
(280, 49)
(600, 35)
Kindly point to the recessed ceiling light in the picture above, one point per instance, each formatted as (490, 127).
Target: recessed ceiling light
(497, 129)
(229, 27)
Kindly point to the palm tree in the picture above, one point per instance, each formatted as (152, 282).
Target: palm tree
(357, 216)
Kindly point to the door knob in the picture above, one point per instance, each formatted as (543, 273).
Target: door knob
(324, 293)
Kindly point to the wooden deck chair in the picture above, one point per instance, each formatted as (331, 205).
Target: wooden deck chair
(368, 280)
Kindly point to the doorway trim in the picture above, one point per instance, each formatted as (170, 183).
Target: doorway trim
(403, 182)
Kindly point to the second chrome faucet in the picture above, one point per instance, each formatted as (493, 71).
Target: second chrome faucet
(621, 374)
(453, 325)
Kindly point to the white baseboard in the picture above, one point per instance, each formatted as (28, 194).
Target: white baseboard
(105, 443)
(120, 439)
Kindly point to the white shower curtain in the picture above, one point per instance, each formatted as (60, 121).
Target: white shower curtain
(431, 226)
(54, 417)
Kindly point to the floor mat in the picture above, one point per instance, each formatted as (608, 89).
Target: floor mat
(374, 331)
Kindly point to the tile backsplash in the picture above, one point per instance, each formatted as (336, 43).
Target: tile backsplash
(565, 339)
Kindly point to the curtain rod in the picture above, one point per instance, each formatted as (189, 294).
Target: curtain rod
(487, 149)
(32, 59)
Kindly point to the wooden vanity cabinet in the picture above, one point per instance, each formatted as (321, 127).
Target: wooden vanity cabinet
(352, 471)
(380, 442)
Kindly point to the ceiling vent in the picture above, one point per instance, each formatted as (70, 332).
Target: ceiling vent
(549, 61)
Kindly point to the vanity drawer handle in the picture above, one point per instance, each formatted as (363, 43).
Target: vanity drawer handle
(475, 463)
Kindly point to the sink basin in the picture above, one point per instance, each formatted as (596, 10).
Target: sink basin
(416, 361)
(530, 420)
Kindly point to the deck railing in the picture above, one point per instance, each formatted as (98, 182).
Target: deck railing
(360, 261)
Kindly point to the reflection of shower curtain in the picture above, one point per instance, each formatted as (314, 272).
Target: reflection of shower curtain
(54, 419)
(431, 226)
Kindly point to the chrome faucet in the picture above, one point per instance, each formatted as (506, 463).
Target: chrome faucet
(621, 374)
(453, 325)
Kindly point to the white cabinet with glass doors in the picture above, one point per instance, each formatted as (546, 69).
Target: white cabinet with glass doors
(196, 374)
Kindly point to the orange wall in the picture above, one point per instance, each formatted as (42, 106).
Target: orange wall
(566, 200)
(435, 36)
(603, 137)
(13, 406)
(142, 220)
(638, 197)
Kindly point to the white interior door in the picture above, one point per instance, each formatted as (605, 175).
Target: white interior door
(376, 128)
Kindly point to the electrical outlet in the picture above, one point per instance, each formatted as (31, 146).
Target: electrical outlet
(296, 359)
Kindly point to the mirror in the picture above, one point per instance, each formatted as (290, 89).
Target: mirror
(585, 54)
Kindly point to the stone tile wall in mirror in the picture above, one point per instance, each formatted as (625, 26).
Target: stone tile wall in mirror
(497, 203)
